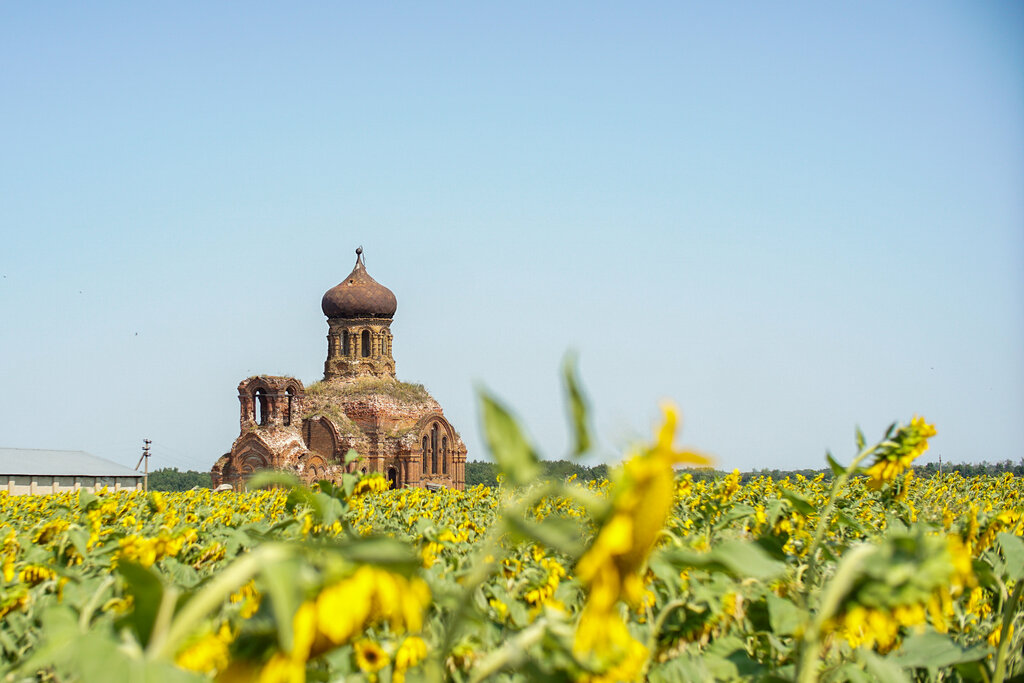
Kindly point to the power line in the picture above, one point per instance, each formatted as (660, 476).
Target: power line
(182, 460)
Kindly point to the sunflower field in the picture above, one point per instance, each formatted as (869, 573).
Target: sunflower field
(869, 575)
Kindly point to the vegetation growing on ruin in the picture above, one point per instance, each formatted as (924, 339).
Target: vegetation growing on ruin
(325, 397)
(404, 392)
(332, 412)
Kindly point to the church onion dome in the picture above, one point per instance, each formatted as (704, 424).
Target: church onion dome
(359, 296)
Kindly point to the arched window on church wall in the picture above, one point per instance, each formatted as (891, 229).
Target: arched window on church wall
(444, 455)
(364, 343)
(260, 407)
(426, 449)
(433, 449)
(344, 343)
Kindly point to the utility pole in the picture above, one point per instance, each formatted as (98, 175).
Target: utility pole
(145, 456)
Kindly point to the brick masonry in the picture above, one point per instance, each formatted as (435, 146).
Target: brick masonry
(397, 429)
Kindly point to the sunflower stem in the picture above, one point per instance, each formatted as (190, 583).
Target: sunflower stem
(1009, 612)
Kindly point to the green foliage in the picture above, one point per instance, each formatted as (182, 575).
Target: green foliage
(479, 472)
(170, 479)
(486, 473)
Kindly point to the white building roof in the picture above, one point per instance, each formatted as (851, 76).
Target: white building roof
(60, 464)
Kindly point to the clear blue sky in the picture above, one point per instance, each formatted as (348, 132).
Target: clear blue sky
(791, 218)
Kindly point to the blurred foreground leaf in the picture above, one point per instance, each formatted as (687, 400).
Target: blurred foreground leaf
(737, 558)
(507, 443)
(931, 649)
(1013, 551)
(578, 412)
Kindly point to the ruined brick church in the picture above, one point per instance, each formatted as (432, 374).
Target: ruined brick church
(398, 429)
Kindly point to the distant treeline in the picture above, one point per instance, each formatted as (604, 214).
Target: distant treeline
(486, 473)
(928, 469)
(973, 469)
(170, 479)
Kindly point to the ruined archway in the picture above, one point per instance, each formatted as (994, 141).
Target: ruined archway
(322, 438)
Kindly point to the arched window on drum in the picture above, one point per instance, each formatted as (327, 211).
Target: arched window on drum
(260, 407)
(289, 406)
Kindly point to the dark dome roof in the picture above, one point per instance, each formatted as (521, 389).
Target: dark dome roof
(359, 296)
